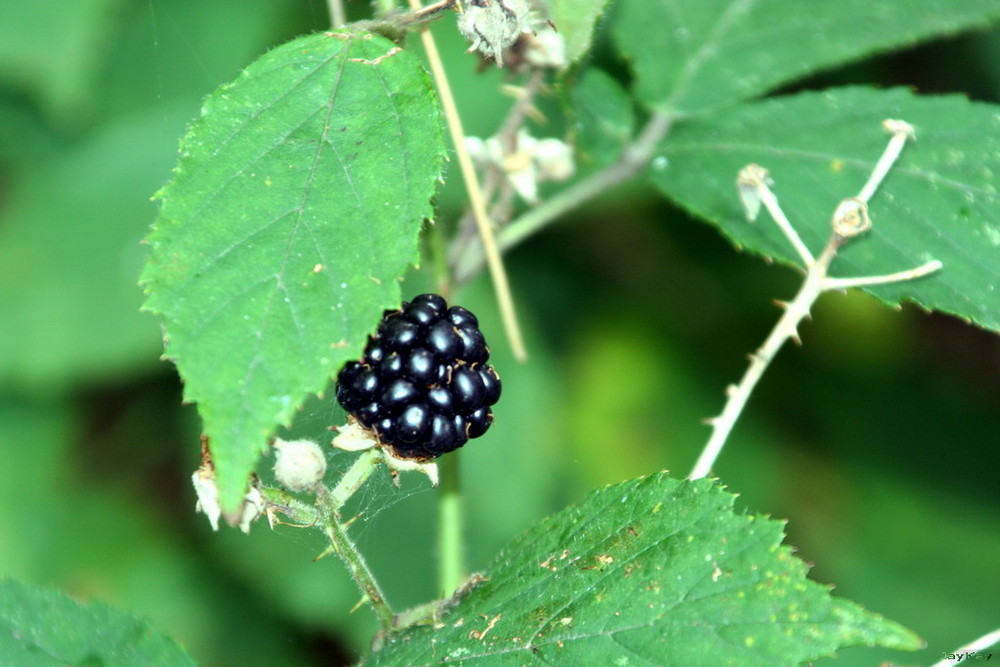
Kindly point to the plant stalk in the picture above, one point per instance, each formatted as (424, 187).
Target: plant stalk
(849, 220)
(336, 531)
(451, 558)
(344, 547)
(501, 285)
(337, 15)
(787, 327)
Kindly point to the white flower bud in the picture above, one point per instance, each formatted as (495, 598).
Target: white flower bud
(299, 464)
(554, 159)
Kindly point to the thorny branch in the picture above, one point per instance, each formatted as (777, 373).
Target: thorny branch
(849, 220)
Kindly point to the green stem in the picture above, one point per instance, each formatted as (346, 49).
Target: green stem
(331, 503)
(451, 565)
(353, 479)
(360, 572)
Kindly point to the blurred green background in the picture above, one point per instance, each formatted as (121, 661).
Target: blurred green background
(877, 440)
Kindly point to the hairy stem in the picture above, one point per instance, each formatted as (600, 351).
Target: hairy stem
(353, 479)
(344, 547)
(331, 504)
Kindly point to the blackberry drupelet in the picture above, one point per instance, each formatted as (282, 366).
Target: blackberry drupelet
(423, 385)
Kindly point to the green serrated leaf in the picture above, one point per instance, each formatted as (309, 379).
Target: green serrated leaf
(939, 202)
(42, 627)
(693, 55)
(297, 205)
(574, 19)
(652, 571)
(603, 117)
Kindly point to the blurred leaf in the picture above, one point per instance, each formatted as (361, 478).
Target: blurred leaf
(604, 120)
(657, 569)
(297, 205)
(693, 55)
(95, 524)
(34, 450)
(55, 49)
(43, 627)
(881, 559)
(70, 234)
(939, 202)
(180, 51)
(574, 19)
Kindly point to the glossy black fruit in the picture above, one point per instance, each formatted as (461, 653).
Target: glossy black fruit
(411, 426)
(444, 341)
(423, 385)
(460, 317)
(474, 350)
(467, 389)
(479, 421)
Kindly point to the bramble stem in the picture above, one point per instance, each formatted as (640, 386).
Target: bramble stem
(901, 133)
(787, 327)
(451, 561)
(331, 503)
(752, 183)
(354, 478)
(501, 286)
(899, 276)
(849, 220)
(344, 547)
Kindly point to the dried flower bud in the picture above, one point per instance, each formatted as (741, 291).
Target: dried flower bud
(492, 26)
(208, 495)
(851, 218)
(299, 464)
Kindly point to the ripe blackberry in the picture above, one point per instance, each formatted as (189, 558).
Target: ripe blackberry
(423, 385)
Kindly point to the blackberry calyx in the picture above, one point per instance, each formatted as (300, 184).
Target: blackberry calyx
(423, 385)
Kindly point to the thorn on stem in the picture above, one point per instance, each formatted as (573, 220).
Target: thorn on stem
(358, 604)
